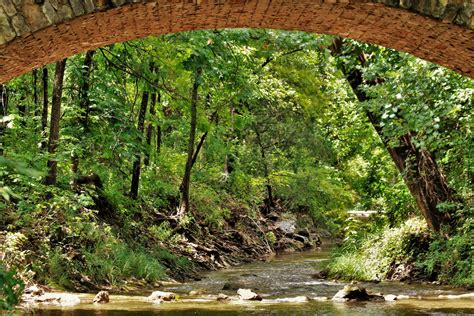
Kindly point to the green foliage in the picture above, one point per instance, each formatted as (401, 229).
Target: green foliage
(451, 260)
(274, 111)
(372, 256)
(270, 238)
(11, 289)
(106, 264)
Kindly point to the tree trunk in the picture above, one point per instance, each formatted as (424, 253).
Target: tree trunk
(198, 148)
(22, 106)
(269, 203)
(424, 179)
(149, 130)
(44, 114)
(84, 89)
(84, 102)
(3, 112)
(184, 188)
(158, 131)
(35, 92)
(137, 163)
(54, 127)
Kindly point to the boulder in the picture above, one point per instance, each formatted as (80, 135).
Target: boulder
(101, 298)
(197, 292)
(222, 297)
(287, 226)
(390, 297)
(34, 290)
(162, 296)
(321, 275)
(305, 240)
(289, 245)
(248, 295)
(352, 292)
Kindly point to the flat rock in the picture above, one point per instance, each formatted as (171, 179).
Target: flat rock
(162, 296)
(197, 292)
(456, 297)
(222, 297)
(320, 298)
(63, 299)
(248, 295)
(297, 299)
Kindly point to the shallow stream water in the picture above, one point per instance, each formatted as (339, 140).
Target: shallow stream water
(277, 280)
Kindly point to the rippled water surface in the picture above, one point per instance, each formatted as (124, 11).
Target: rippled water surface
(283, 277)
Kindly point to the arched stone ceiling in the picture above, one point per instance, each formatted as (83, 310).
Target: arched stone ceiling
(37, 32)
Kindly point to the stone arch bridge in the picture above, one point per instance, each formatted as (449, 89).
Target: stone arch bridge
(37, 32)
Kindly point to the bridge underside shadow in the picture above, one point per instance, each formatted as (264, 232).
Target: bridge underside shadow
(440, 41)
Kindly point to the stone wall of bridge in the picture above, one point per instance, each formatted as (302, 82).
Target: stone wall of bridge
(37, 32)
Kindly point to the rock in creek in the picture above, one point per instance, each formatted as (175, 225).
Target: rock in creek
(298, 299)
(321, 275)
(320, 298)
(63, 299)
(34, 290)
(197, 292)
(248, 295)
(223, 297)
(102, 297)
(162, 296)
(390, 297)
(457, 297)
(353, 292)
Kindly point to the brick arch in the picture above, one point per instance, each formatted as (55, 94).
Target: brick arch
(37, 32)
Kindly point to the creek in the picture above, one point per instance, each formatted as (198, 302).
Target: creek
(278, 281)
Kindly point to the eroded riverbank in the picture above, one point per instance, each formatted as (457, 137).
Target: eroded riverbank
(277, 281)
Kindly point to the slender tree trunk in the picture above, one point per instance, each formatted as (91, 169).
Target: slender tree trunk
(137, 163)
(198, 148)
(228, 160)
(44, 114)
(184, 188)
(159, 139)
(269, 203)
(3, 112)
(22, 106)
(423, 177)
(54, 127)
(84, 89)
(85, 107)
(158, 131)
(35, 92)
(149, 129)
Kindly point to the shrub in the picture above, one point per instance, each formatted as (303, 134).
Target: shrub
(377, 252)
(10, 289)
